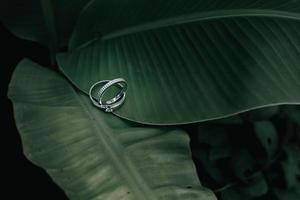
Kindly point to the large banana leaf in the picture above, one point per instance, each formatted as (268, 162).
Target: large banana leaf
(190, 61)
(49, 22)
(93, 155)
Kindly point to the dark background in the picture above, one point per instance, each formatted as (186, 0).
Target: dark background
(20, 178)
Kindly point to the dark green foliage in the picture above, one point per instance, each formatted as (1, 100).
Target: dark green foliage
(254, 158)
(261, 114)
(267, 136)
(185, 62)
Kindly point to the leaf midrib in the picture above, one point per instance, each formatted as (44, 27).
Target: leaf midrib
(116, 153)
(202, 16)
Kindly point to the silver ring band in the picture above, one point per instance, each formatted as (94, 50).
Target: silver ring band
(120, 82)
(115, 102)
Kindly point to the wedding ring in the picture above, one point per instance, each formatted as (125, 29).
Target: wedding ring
(111, 104)
(119, 82)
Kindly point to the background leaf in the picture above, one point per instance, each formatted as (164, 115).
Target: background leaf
(291, 166)
(267, 136)
(257, 159)
(30, 19)
(93, 155)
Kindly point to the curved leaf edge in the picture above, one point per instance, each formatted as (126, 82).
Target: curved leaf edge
(61, 55)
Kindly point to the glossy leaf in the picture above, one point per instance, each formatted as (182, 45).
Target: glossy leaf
(189, 62)
(94, 155)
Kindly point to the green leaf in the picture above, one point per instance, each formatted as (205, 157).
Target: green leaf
(243, 164)
(49, 22)
(257, 187)
(266, 134)
(189, 62)
(252, 190)
(291, 166)
(210, 167)
(94, 155)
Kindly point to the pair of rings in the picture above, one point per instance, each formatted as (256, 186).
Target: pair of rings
(113, 103)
